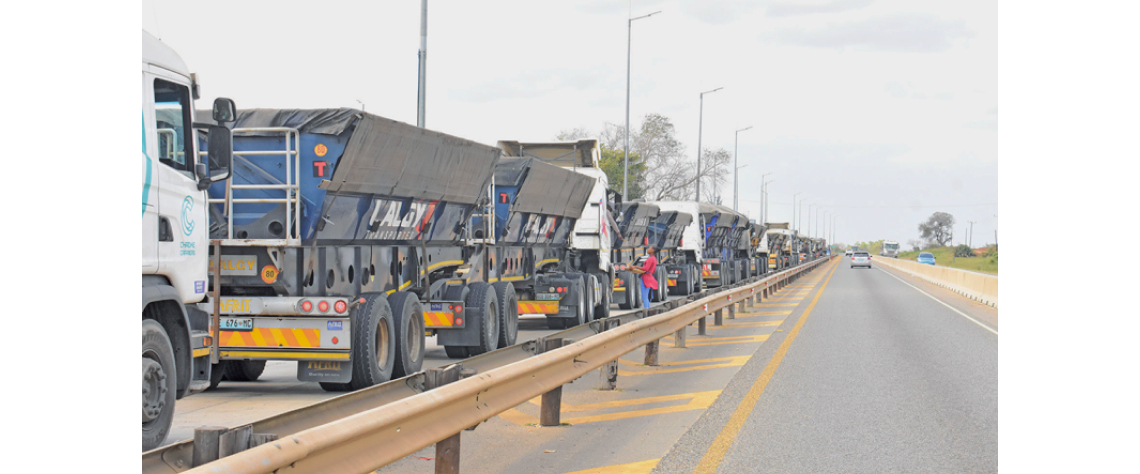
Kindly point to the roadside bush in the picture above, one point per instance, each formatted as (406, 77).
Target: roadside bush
(963, 251)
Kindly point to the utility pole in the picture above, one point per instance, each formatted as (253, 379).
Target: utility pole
(971, 240)
(628, 52)
(421, 99)
(700, 135)
(736, 169)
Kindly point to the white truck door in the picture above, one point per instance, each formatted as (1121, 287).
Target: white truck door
(182, 252)
(149, 183)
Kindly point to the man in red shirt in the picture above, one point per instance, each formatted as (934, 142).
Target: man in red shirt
(648, 281)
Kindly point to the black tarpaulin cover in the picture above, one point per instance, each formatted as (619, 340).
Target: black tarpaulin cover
(546, 189)
(390, 158)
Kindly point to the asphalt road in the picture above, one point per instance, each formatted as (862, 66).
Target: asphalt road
(879, 378)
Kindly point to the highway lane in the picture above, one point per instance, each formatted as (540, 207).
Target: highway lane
(278, 390)
(879, 378)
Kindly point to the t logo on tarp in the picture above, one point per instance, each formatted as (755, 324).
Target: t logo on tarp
(320, 169)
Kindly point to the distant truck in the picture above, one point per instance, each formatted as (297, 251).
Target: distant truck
(176, 343)
(685, 262)
(890, 249)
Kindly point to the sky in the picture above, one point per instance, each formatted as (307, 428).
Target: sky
(878, 112)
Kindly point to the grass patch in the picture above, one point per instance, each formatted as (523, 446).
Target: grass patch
(944, 257)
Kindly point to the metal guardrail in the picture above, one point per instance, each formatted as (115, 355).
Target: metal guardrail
(367, 429)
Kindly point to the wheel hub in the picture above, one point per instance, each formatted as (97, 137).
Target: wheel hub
(154, 389)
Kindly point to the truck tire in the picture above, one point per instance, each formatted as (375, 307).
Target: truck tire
(217, 374)
(159, 384)
(373, 350)
(589, 285)
(580, 311)
(508, 313)
(602, 308)
(408, 319)
(456, 352)
(631, 288)
(662, 292)
(243, 370)
(482, 298)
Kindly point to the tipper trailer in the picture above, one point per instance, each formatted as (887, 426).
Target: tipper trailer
(685, 263)
(590, 241)
(779, 236)
(176, 342)
(340, 242)
(628, 246)
(667, 234)
(718, 225)
(536, 206)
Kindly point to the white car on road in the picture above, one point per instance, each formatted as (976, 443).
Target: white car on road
(860, 259)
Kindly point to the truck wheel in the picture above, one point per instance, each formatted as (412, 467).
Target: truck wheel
(217, 374)
(408, 319)
(662, 292)
(580, 310)
(373, 347)
(456, 352)
(159, 384)
(602, 308)
(482, 298)
(630, 291)
(243, 370)
(508, 313)
(589, 285)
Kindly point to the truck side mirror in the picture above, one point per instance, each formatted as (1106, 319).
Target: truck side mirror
(224, 110)
(220, 152)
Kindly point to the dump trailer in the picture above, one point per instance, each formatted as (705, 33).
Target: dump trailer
(339, 240)
(590, 241)
(757, 257)
(737, 245)
(176, 342)
(685, 262)
(667, 234)
(629, 244)
(536, 206)
(717, 226)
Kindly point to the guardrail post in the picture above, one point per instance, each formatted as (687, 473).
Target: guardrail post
(679, 336)
(207, 441)
(551, 412)
(608, 372)
(651, 353)
(739, 307)
(732, 310)
(447, 450)
(701, 325)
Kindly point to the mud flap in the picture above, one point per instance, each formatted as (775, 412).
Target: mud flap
(324, 371)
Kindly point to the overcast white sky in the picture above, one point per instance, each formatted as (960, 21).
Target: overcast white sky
(881, 111)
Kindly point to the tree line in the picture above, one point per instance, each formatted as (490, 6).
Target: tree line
(659, 168)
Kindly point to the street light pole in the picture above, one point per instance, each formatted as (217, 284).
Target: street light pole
(736, 172)
(764, 197)
(628, 51)
(794, 209)
(700, 134)
(421, 94)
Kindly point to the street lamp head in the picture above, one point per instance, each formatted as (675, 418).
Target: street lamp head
(710, 92)
(644, 16)
(743, 129)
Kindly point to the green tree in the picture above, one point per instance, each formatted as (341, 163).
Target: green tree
(937, 229)
(613, 164)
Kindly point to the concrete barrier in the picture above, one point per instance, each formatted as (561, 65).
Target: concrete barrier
(977, 286)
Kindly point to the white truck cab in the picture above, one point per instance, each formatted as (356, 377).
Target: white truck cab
(175, 234)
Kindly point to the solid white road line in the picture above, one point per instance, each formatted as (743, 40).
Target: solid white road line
(940, 301)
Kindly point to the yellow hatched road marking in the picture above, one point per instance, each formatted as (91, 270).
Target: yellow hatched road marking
(697, 401)
(716, 341)
(755, 324)
(640, 467)
(779, 304)
(702, 365)
(750, 314)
